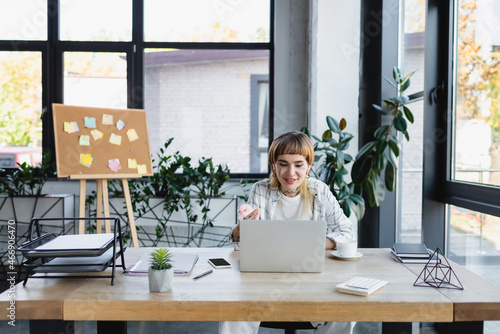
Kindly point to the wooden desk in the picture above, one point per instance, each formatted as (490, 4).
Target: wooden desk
(227, 294)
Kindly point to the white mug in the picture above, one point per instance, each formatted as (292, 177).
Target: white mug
(347, 248)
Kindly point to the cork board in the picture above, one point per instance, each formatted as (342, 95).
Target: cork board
(97, 143)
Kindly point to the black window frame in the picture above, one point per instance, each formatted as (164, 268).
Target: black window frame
(439, 188)
(52, 64)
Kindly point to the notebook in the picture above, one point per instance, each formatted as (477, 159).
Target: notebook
(183, 263)
(282, 245)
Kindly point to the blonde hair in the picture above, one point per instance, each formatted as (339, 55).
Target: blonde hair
(292, 142)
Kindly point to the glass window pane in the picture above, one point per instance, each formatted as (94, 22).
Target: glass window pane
(20, 108)
(203, 99)
(411, 157)
(474, 241)
(23, 20)
(96, 20)
(95, 79)
(476, 109)
(207, 21)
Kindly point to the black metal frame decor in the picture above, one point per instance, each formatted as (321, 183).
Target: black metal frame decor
(439, 274)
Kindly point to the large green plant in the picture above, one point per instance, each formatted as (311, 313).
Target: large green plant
(330, 165)
(374, 168)
(180, 183)
(26, 180)
(376, 162)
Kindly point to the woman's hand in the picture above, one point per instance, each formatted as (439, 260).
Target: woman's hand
(245, 212)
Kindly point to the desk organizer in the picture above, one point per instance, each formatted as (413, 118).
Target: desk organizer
(439, 274)
(50, 254)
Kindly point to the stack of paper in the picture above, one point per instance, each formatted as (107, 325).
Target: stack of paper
(411, 253)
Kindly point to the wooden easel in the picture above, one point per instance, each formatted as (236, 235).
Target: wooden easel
(103, 202)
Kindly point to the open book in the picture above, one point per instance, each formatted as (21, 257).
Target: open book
(183, 264)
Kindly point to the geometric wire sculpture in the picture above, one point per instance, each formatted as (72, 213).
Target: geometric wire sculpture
(439, 274)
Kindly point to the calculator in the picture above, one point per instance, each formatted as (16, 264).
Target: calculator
(362, 286)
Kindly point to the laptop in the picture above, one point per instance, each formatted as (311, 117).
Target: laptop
(282, 245)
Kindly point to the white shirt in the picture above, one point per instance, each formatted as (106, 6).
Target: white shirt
(290, 205)
(325, 207)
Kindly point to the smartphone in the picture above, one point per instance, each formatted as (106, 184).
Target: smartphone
(219, 263)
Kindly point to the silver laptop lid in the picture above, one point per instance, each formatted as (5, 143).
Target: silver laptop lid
(282, 245)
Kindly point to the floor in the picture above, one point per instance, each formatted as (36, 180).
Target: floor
(152, 327)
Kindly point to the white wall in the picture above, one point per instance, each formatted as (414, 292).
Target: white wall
(335, 65)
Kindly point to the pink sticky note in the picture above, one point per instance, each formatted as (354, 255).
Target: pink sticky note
(114, 165)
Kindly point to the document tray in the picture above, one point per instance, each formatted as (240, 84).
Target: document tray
(66, 245)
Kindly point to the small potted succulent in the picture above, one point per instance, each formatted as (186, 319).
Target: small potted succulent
(161, 271)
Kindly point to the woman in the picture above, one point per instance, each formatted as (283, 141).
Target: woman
(290, 194)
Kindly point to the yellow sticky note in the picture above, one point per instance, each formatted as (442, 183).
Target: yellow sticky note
(70, 127)
(85, 159)
(132, 163)
(107, 119)
(84, 140)
(132, 135)
(96, 134)
(141, 169)
(115, 139)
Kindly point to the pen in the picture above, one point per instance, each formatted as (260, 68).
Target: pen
(203, 274)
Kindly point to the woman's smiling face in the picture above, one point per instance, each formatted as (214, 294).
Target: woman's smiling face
(291, 170)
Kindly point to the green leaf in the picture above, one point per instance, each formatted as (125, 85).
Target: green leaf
(389, 177)
(358, 199)
(390, 82)
(378, 189)
(396, 74)
(330, 141)
(366, 149)
(345, 137)
(326, 134)
(390, 103)
(381, 146)
(406, 82)
(394, 147)
(408, 114)
(333, 124)
(340, 159)
(400, 124)
(306, 131)
(316, 138)
(393, 158)
(407, 135)
(381, 162)
(347, 158)
(381, 132)
(346, 208)
(360, 169)
(401, 99)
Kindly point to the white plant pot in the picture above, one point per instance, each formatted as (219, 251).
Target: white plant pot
(160, 280)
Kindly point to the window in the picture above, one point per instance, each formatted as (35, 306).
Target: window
(96, 20)
(23, 20)
(411, 160)
(461, 202)
(190, 64)
(95, 79)
(202, 98)
(476, 114)
(20, 108)
(206, 21)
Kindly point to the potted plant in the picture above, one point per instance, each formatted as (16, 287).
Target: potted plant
(373, 171)
(160, 271)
